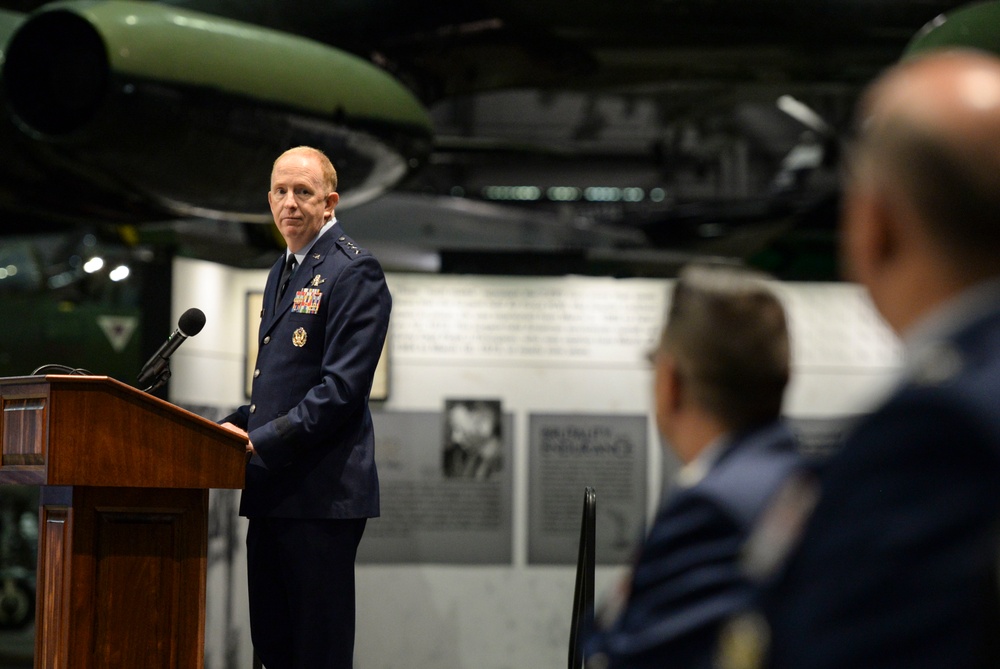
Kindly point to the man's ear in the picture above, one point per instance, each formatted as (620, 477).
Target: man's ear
(887, 233)
(678, 388)
(331, 201)
(870, 234)
(668, 392)
(669, 385)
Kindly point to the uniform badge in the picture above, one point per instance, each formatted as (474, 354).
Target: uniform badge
(316, 280)
(307, 301)
(936, 365)
(299, 337)
(744, 642)
(779, 528)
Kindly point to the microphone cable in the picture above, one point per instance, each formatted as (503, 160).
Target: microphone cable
(61, 369)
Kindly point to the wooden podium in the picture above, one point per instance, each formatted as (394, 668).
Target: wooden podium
(123, 518)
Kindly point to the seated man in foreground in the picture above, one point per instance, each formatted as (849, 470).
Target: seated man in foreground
(897, 566)
(720, 374)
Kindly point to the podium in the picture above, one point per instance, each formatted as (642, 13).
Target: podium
(123, 518)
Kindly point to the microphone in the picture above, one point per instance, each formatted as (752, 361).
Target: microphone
(191, 322)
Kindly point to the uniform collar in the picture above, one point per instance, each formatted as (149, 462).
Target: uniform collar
(301, 255)
(954, 315)
(693, 472)
(932, 338)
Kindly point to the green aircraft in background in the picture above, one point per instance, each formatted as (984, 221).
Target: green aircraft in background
(128, 111)
(117, 112)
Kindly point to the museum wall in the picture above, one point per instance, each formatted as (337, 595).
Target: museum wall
(503, 398)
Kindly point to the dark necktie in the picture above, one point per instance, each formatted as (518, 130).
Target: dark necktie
(286, 275)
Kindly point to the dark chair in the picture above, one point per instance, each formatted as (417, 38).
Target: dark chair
(583, 596)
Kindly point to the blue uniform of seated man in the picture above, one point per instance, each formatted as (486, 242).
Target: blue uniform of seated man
(897, 566)
(720, 373)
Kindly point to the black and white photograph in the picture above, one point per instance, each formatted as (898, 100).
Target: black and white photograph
(472, 439)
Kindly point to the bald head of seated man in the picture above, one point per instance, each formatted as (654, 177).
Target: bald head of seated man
(897, 563)
(923, 184)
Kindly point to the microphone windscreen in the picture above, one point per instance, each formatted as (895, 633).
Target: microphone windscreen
(191, 322)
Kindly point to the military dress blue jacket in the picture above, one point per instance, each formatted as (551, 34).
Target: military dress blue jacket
(897, 567)
(308, 415)
(688, 578)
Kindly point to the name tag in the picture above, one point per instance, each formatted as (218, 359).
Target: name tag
(307, 301)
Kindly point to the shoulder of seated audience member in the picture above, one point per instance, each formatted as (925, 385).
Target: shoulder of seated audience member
(742, 483)
(960, 414)
(691, 516)
(686, 543)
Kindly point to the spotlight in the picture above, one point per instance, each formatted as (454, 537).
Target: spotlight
(93, 265)
(119, 273)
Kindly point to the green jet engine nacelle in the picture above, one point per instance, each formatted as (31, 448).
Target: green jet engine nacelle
(189, 110)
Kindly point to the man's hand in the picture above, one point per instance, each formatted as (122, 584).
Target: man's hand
(240, 431)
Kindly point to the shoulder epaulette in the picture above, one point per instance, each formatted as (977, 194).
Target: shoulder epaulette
(348, 245)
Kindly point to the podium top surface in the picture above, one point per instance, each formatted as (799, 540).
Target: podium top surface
(97, 431)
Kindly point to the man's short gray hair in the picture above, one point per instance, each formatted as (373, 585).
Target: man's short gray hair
(726, 329)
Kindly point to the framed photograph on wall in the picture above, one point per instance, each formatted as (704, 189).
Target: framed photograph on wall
(254, 308)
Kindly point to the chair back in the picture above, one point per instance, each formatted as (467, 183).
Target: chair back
(583, 596)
